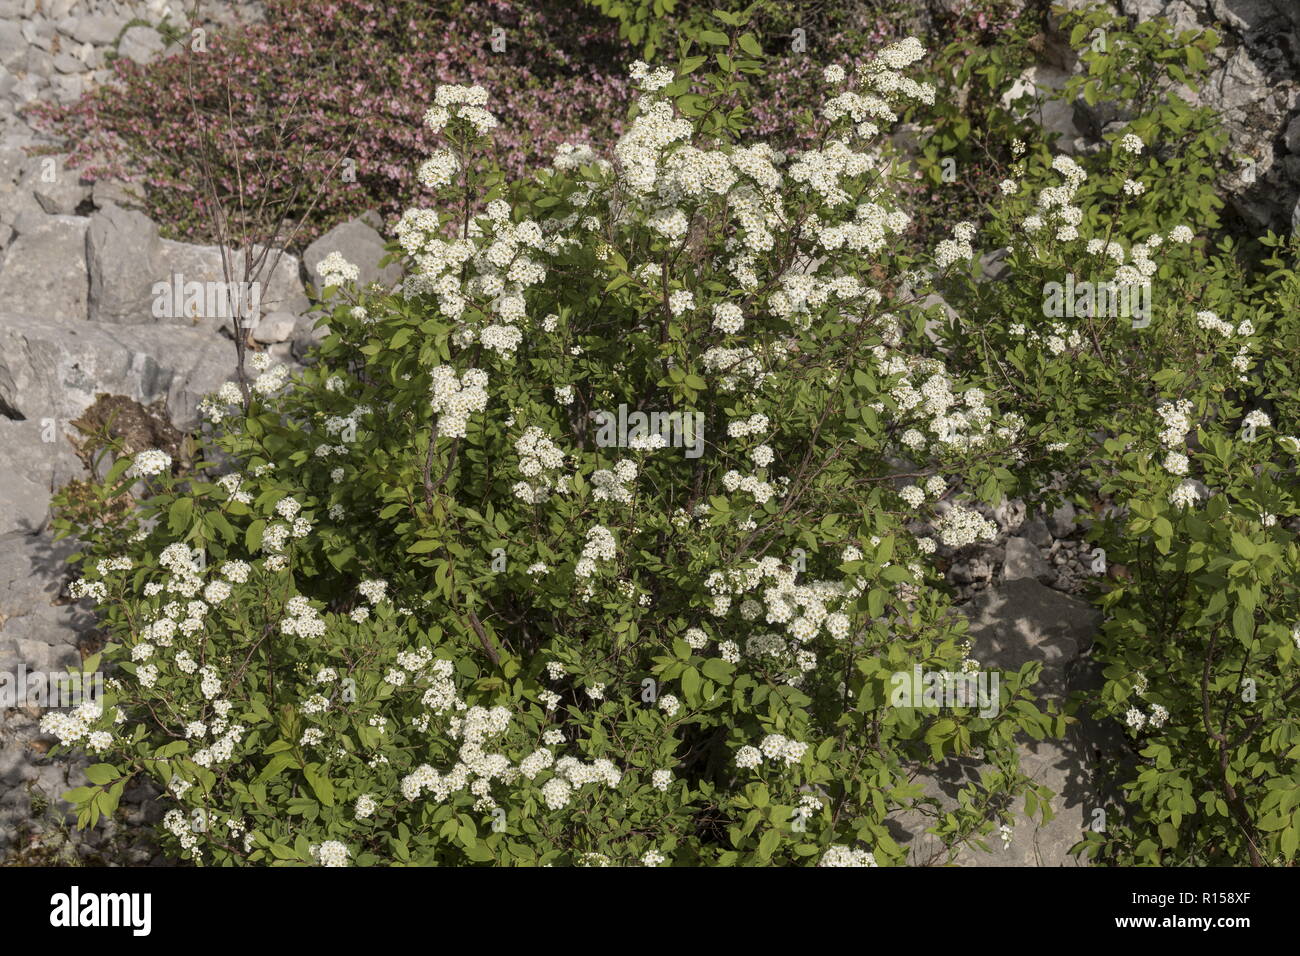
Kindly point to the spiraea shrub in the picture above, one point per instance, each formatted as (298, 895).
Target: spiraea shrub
(1156, 370)
(605, 538)
(584, 546)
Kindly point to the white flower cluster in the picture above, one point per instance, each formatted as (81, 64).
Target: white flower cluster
(335, 270)
(600, 546)
(761, 491)
(330, 853)
(1131, 143)
(1137, 720)
(540, 462)
(476, 769)
(839, 855)
(961, 526)
(774, 747)
(804, 610)
(217, 406)
(1055, 203)
(1185, 495)
(438, 170)
(1177, 421)
(77, 725)
(455, 399)
(460, 102)
(612, 484)
(302, 619)
(231, 483)
(956, 249)
(955, 422)
(148, 463)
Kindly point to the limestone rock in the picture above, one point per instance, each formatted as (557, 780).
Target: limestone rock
(44, 272)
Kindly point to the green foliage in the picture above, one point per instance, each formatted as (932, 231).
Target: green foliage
(1138, 419)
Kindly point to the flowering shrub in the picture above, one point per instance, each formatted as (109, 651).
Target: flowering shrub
(604, 540)
(354, 72)
(594, 545)
(1170, 420)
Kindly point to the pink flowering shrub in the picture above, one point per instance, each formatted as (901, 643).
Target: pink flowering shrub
(342, 81)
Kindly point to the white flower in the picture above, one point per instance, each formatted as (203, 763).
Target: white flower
(330, 853)
(1257, 419)
(365, 806)
(438, 170)
(1184, 495)
(840, 855)
(681, 302)
(556, 792)
(727, 317)
(913, 495)
(149, 463)
(335, 270)
(1131, 143)
(1176, 463)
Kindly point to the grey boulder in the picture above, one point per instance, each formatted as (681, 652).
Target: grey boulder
(122, 258)
(54, 368)
(44, 271)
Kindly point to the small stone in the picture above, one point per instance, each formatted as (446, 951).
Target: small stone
(57, 188)
(67, 63)
(275, 327)
(1035, 531)
(1024, 560)
(1061, 522)
(97, 29)
(140, 44)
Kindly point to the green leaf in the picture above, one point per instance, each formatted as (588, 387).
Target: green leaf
(119, 468)
(320, 784)
(101, 773)
(1243, 623)
(276, 766)
(691, 686)
(1168, 835)
(715, 668)
(179, 514)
